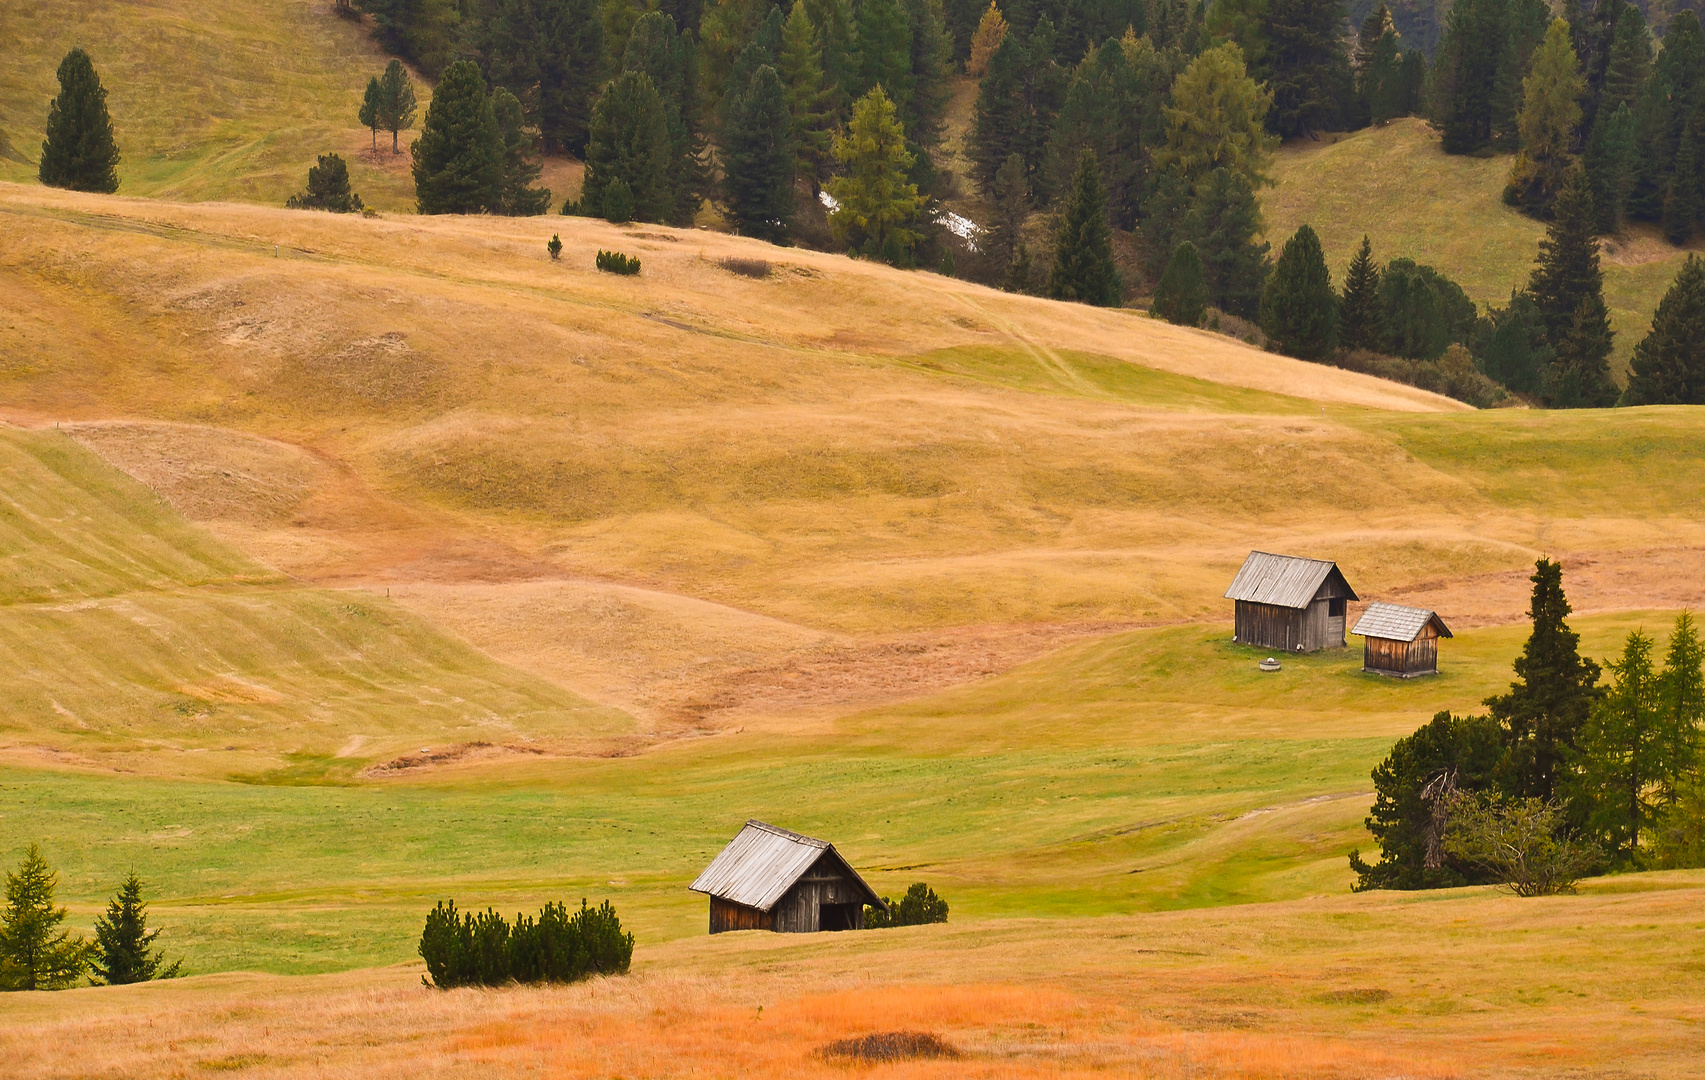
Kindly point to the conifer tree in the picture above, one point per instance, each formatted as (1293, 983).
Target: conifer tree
(550, 54)
(1361, 315)
(657, 50)
(1629, 63)
(809, 95)
(1224, 222)
(1216, 119)
(371, 103)
(1550, 112)
(1620, 753)
(396, 101)
(1669, 363)
(884, 39)
(836, 35)
(1467, 67)
(1011, 209)
(1681, 696)
(1681, 199)
(1556, 689)
(458, 159)
(1017, 101)
(1568, 287)
(1307, 69)
(931, 72)
(1382, 82)
(758, 159)
(124, 946)
(1083, 246)
(1181, 297)
(628, 154)
(520, 168)
(425, 32)
(991, 31)
(80, 152)
(725, 30)
(34, 953)
(328, 188)
(1611, 158)
(1374, 27)
(764, 47)
(1112, 107)
(1298, 308)
(878, 205)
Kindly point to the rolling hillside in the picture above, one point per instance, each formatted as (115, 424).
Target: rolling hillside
(1412, 199)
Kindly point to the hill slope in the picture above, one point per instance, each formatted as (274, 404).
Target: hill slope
(1412, 199)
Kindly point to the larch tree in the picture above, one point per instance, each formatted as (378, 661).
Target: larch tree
(1361, 315)
(1298, 306)
(1083, 246)
(1681, 695)
(758, 159)
(124, 946)
(877, 205)
(1216, 119)
(1556, 689)
(1619, 754)
(370, 106)
(1568, 287)
(1550, 113)
(458, 158)
(1181, 297)
(397, 103)
(80, 151)
(34, 953)
(1669, 362)
(629, 154)
(991, 31)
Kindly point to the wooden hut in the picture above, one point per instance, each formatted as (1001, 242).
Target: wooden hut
(1284, 602)
(771, 879)
(1401, 641)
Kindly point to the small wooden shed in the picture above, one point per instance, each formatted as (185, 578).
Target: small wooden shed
(771, 879)
(1289, 603)
(1401, 641)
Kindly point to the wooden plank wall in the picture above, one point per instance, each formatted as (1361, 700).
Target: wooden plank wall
(727, 915)
(1284, 629)
(1419, 657)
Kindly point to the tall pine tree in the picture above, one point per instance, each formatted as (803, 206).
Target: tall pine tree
(1083, 246)
(458, 159)
(80, 152)
(1361, 316)
(1620, 754)
(666, 56)
(1556, 689)
(369, 114)
(396, 102)
(1307, 68)
(550, 54)
(1298, 307)
(1010, 210)
(811, 100)
(1681, 697)
(757, 159)
(1669, 363)
(34, 953)
(520, 167)
(124, 946)
(885, 52)
(629, 154)
(1224, 222)
(1568, 287)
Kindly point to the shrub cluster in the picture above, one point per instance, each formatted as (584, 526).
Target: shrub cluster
(463, 949)
(614, 262)
(920, 905)
(752, 268)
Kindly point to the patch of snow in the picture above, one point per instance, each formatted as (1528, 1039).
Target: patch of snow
(962, 227)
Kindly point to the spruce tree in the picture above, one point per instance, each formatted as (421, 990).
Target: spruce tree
(371, 103)
(1298, 308)
(1110, 106)
(1556, 689)
(1010, 210)
(34, 953)
(1669, 363)
(810, 98)
(1361, 315)
(520, 167)
(1382, 82)
(836, 35)
(932, 71)
(885, 52)
(758, 159)
(1181, 297)
(1550, 113)
(80, 152)
(1224, 222)
(550, 54)
(764, 47)
(328, 188)
(1466, 73)
(1307, 69)
(877, 204)
(991, 31)
(1568, 287)
(656, 49)
(1611, 159)
(124, 946)
(1083, 246)
(1017, 101)
(1681, 199)
(727, 27)
(396, 102)
(458, 159)
(1629, 64)
(629, 154)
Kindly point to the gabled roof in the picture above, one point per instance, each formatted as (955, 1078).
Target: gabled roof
(1284, 580)
(762, 862)
(1394, 622)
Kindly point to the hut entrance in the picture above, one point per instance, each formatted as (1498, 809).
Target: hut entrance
(840, 916)
(1336, 610)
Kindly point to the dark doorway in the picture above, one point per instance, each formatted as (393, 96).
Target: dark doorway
(839, 916)
(1335, 607)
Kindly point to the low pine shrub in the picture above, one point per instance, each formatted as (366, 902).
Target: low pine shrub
(559, 946)
(614, 262)
(555, 246)
(920, 905)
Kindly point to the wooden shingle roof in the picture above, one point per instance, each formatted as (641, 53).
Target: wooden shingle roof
(1394, 622)
(762, 862)
(1285, 580)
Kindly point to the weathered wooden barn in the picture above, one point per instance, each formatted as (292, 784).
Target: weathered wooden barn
(1401, 641)
(1283, 602)
(771, 879)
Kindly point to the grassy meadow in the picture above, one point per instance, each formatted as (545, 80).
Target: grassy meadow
(1395, 185)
